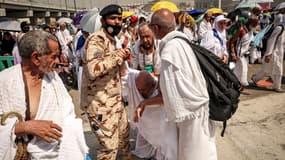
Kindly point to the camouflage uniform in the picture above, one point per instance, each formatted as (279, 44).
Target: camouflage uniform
(101, 95)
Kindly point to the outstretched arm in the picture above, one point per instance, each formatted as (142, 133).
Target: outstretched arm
(147, 102)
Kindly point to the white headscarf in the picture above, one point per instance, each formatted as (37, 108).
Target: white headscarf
(219, 18)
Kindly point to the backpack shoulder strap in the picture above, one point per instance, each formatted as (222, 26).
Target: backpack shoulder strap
(210, 58)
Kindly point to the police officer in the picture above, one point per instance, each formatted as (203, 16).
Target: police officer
(101, 86)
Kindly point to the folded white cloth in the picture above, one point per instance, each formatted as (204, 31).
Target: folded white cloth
(72, 144)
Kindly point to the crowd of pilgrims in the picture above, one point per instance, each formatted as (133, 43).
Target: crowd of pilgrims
(230, 38)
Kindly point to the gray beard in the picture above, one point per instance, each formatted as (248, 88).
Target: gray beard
(145, 47)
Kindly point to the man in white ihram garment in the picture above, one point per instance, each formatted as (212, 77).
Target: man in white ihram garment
(146, 50)
(184, 91)
(65, 40)
(186, 24)
(36, 93)
(274, 55)
(205, 26)
(242, 49)
(143, 91)
(215, 39)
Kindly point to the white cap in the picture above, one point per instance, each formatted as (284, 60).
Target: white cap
(221, 18)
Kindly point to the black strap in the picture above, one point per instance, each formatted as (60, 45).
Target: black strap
(224, 128)
(144, 52)
(240, 40)
(28, 115)
(240, 43)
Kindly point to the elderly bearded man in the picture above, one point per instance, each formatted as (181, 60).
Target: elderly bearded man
(101, 86)
(184, 91)
(145, 53)
(34, 90)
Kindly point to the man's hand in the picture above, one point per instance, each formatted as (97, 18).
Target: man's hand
(139, 111)
(124, 53)
(45, 130)
(225, 59)
(156, 100)
(267, 58)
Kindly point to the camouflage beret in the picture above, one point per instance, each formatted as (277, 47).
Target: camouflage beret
(111, 9)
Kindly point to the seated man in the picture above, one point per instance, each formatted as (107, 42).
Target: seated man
(151, 126)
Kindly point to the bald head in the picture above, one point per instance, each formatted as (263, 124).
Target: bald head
(165, 21)
(145, 83)
(144, 78)
(164, 17)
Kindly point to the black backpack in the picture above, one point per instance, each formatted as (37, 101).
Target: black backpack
(267, 36)
(222, 84)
